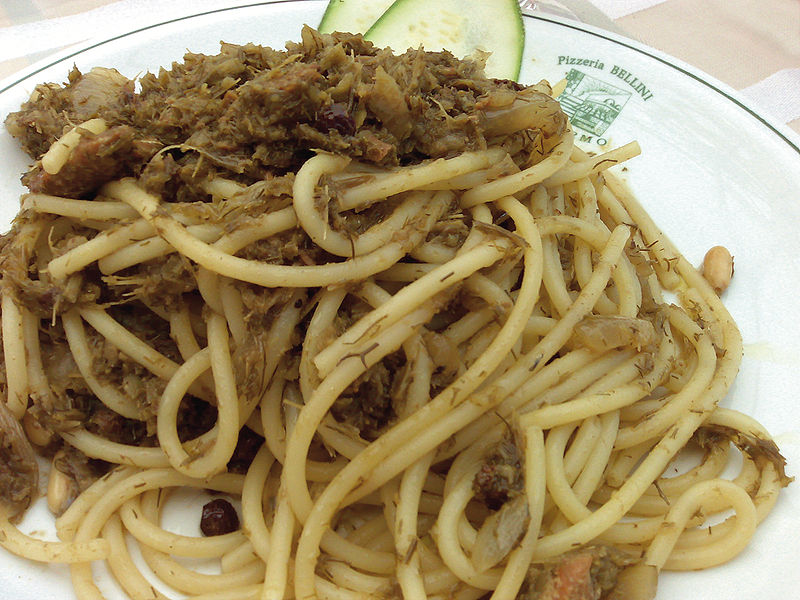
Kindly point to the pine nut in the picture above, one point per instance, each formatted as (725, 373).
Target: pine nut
(61, 489)
(37, 435)
(718, 268)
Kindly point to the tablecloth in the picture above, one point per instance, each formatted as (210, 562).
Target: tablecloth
(752, 45)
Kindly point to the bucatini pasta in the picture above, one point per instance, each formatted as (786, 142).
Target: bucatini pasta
(436, 358)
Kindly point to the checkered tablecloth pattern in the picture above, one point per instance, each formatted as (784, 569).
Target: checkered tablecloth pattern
(752, 45)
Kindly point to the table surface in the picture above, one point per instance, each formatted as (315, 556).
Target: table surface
(752, 45)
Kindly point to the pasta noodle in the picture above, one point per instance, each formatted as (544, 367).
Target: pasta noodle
(524, 385)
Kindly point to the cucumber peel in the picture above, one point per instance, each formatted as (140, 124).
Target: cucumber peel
(353, 16)
(459, 26)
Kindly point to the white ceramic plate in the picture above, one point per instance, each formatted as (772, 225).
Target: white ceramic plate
(713, 171)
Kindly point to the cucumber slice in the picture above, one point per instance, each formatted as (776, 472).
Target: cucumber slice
(460, 26)
(353, 16)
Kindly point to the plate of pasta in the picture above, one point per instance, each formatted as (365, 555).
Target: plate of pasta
(318, 319)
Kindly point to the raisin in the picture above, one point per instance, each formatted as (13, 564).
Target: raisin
(510, 83)
(336, 117)
(219, 517)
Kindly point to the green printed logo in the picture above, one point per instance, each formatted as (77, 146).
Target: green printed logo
(591, 104)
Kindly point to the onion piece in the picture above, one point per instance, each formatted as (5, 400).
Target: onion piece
(537, 112)
(499, 533)
(603, 333)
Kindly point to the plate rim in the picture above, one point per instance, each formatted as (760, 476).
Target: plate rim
(682, 69)
(786, 134)
(781, 130)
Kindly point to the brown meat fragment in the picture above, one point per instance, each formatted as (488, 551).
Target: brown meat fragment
(585, 574)
(96, 160)
(246, 449)
(759, 449)
(249, 112)
(19, 472)
(500, 477)
(367, 402)
(53, 109)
